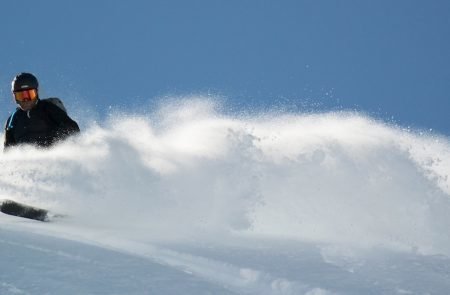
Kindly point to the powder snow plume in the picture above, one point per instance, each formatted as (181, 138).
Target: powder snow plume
(189, 170)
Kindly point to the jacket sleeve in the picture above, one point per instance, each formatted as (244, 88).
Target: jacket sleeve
(64, 125)
(9, 139)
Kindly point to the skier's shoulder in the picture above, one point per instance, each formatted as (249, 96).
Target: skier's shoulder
(53, 104)
(9, 121)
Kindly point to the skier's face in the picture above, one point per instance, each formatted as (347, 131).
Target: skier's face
(26, 99)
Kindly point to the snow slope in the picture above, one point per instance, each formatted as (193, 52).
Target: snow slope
(190, 200)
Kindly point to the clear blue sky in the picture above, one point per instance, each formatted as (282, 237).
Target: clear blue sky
(388, 58)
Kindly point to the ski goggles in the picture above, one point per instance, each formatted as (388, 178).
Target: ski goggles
(26, 95)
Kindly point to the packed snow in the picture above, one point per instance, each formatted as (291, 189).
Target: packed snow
(189, 199)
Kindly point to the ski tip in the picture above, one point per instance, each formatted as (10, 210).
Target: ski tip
(14, 208)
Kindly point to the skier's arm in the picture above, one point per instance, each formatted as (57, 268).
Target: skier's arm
(9, 138)
(65, 125)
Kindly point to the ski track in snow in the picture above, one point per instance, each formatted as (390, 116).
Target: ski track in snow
(235, 268)
(188, 198)
(234, 278)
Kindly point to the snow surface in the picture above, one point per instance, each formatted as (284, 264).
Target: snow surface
(191, 200)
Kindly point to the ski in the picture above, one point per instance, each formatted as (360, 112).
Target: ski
(14, 208)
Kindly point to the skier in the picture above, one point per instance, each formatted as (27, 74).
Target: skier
(35, 121)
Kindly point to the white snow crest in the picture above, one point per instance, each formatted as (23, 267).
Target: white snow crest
(189, 170)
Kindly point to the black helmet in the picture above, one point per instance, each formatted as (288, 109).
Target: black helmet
(24, 81)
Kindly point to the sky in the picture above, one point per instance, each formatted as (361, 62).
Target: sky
(388, 59)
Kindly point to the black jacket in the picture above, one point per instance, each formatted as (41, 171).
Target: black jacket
(42, 126)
